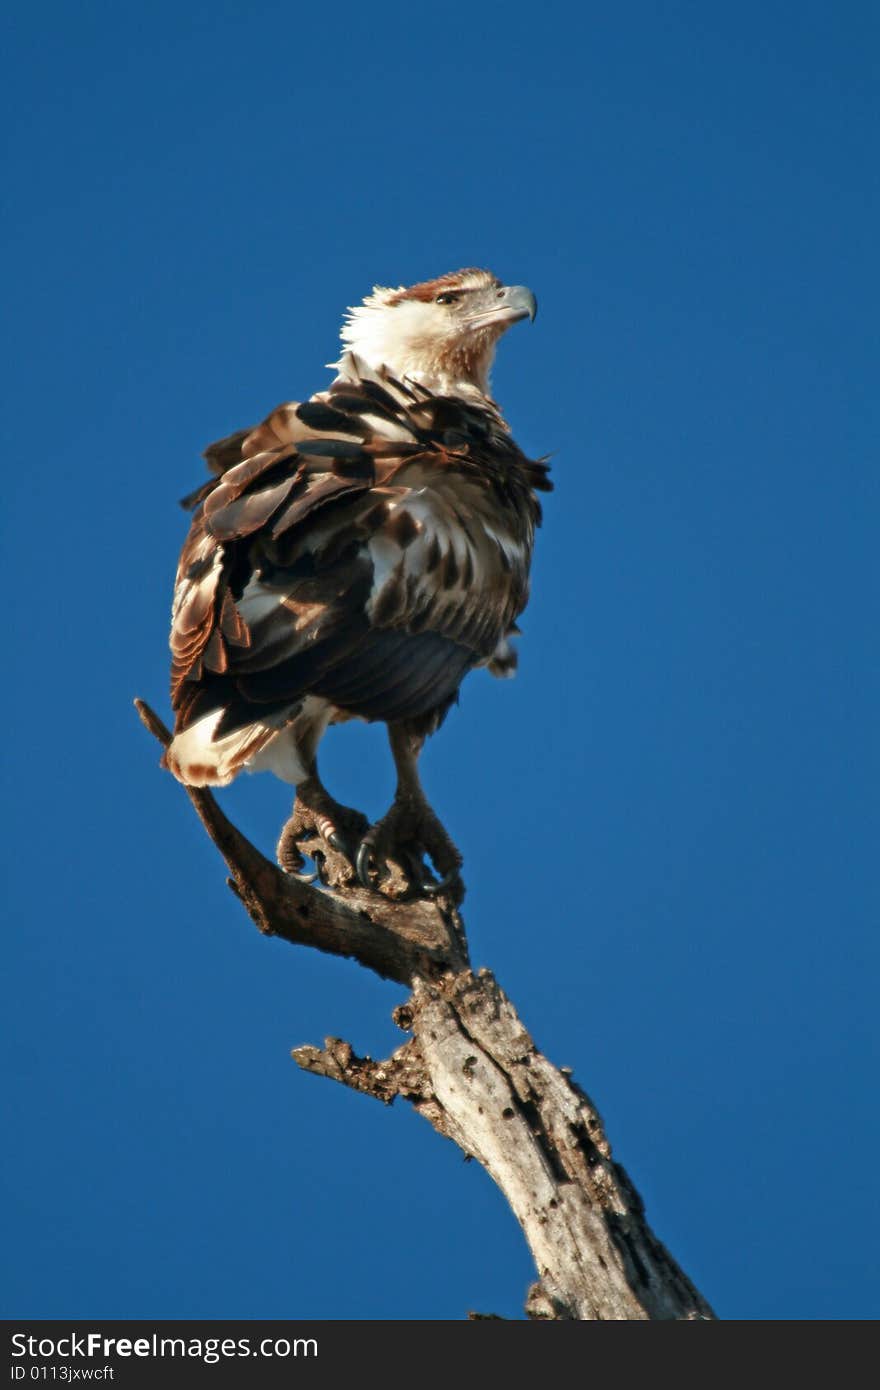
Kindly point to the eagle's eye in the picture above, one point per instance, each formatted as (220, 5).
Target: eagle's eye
(446, 298)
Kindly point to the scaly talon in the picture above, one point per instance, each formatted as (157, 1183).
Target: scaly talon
(393, 851)
(362, 863)
(337, 842)
(450, 879)
(324, 830)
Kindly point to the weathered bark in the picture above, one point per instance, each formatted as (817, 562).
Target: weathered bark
(475, 1074)
(472, 1070)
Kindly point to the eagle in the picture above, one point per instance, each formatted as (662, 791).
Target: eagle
(355, 556)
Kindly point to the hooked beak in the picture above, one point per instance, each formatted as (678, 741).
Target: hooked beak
(505, 306)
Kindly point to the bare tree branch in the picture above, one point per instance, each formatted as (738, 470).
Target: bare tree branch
(397, 942)
(472, 1070)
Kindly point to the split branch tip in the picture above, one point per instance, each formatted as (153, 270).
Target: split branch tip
(151, 721)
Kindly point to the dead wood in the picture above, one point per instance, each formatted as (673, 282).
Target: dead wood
(472, 1071)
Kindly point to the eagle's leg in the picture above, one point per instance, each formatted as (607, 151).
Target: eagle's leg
(410, 829)
(324, 830)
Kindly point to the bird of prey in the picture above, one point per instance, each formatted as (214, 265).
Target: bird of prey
(354, 556)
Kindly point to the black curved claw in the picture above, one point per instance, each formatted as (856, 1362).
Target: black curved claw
(302, 878)
(447, 881)
(320, 863)
(337, 842)
(362, 863)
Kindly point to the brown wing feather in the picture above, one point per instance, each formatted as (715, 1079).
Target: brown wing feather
(370, 544)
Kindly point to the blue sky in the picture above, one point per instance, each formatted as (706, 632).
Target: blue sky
(669, 819)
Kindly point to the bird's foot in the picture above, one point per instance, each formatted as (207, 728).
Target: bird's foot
(328, 833)
(390, 858)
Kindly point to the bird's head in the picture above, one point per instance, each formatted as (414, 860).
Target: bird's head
(442, 332)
